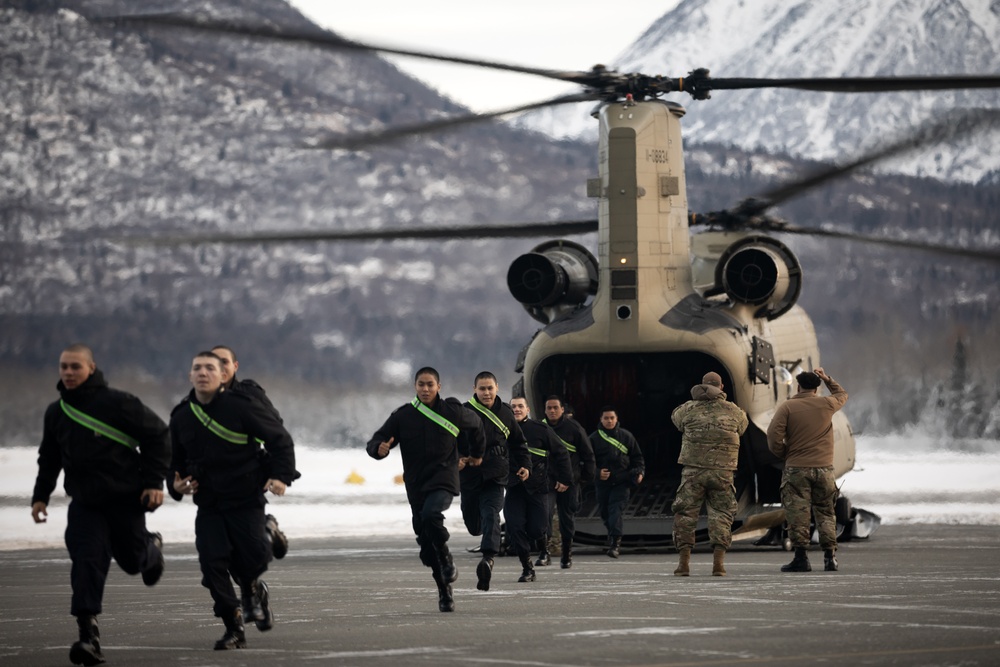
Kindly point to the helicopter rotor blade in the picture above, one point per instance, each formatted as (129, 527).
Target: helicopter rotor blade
(699, 83)
(969, 253)
(522, 230)
(318, 37)
(357, 141)
(951, 126)
(948, 127)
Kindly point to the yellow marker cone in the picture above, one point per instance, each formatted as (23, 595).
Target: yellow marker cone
(354, 478)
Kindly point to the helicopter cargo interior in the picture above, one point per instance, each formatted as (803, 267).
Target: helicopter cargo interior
(647, 387)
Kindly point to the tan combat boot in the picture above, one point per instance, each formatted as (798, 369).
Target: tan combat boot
(684, 567)
(718, 568)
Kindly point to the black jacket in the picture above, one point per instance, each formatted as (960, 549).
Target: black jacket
(626, 466)
(572, 434)
(547, 468)
(255, 390)
(230, 474)
(98, 469)
(503, 453)
(430, 453)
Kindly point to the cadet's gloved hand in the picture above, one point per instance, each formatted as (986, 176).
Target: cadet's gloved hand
(38, 512)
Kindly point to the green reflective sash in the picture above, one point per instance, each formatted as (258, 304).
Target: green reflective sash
(434, 417)
(493, 418)
(569, 448)
(538, 452)
(97, 426)
(619, 446)
(216, 428)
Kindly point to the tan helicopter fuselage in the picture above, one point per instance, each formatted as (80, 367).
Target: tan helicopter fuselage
(648, 332)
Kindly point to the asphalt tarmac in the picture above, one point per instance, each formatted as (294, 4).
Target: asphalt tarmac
(910, 595)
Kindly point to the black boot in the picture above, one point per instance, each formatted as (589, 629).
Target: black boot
(257, 605)
(830, 563)
(566, 561)
(544, 558)
(484, 572)
(446, 599)
(527, 571)
(279, 543)
(615, 547)
(87, 651)
(235, 636)
(153, 574)
(800, 563)
(448, 569)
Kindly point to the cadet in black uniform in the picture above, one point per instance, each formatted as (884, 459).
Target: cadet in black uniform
(216, 437)
(526, 506)
(426, 431)
(620, 467)
(115, 452)
(279, 542)
(483, 487)
(581, 454)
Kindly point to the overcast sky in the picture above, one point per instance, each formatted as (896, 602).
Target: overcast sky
(550, 34)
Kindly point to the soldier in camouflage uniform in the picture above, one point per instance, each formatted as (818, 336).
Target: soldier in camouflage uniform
(711, 428)
(801, 433)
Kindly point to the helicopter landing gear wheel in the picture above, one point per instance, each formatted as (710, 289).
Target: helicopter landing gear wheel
(844, 514)
(842, 510)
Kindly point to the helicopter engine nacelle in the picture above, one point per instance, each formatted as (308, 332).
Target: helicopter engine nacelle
(760, 271)
(553, 279)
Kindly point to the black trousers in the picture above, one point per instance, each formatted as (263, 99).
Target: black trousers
(230, 540)
(428, 525)
(567, 504)
(527, 517)
(481, 507)
(612, 501)
(95, 535)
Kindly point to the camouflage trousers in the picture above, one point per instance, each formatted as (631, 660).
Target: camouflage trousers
(805, 489)
(714, 487)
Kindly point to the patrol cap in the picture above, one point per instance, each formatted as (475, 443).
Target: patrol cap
(713, 379)
(808, 380)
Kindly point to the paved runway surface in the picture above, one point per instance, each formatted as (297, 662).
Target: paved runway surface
(911, 595)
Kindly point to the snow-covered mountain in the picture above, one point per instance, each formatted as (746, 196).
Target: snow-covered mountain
(818, 38)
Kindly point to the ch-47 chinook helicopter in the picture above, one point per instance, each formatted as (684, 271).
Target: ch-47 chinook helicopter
(639, 323)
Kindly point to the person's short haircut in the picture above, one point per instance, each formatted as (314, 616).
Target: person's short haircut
(808, 380)
(80, 348)
(485, 375)
(208, 353)
(609, 408)
(231, 351)
(555, 397)
(427, 370)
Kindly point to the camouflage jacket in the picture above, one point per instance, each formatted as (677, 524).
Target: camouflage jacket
(711, 428)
